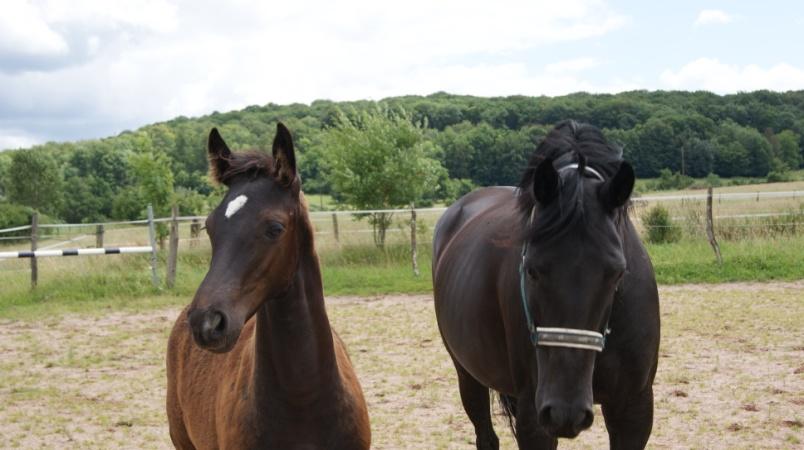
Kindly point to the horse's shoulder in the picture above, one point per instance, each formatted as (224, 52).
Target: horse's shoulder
(480, 201)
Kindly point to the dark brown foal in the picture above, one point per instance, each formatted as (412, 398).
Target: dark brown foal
(252, 362)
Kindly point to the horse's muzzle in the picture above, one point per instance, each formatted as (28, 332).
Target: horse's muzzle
(210, 329)
(563, 420)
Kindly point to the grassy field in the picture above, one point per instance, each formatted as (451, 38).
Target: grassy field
(754, 249)
(730, 374)
(737, 184)
(87, 283)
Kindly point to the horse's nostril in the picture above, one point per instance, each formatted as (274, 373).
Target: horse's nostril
(544, 416)
(587, 417)
(214, 324)
(217, 322)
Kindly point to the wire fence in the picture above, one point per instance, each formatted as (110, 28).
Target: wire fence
(735, 216)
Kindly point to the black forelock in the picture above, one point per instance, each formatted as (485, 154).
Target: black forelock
(569, 142)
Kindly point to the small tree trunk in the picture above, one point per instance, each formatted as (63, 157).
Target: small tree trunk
(380, 222)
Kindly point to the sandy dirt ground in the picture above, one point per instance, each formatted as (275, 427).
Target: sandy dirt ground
(731, 374)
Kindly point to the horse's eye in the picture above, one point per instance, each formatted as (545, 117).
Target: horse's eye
(274, 230)
(620, 276)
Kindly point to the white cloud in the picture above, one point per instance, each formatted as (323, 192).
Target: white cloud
(499, 80)
(24, 31)
(713, 75)
(154, 15)
(572, 65)
(134, 63)
(712, 17)
(13, 139)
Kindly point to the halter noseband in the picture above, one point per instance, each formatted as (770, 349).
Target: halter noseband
(560, 337)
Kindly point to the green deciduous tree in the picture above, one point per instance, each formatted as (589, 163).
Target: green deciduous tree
(154, 184)
(379, 160)
(35, 180)
(788, 151)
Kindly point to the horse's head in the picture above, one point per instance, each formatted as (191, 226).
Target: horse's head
(572, 263)
(254, 233)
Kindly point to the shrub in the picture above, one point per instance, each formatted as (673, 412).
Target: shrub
(14, 215)
(659, 227)
(779, 172)
(777, 176)
(672, 180)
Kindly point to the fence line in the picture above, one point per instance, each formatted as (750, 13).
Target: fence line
(328, 213)
(723, 196)
(323, 215)
(719, 222)
(11, 230)
(76, 252)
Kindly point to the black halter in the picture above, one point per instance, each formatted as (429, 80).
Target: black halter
(560, 337)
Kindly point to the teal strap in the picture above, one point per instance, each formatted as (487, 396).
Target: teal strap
(534, 337)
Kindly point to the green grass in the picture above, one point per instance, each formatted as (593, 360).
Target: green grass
(321, 202)
(124, 282)
(646, 186)
(756, 260)
(368, 280)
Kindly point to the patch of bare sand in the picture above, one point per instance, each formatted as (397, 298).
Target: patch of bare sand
(730, 374)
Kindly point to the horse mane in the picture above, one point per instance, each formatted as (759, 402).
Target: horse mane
(567, 143)
(304, 216)
(251, 162)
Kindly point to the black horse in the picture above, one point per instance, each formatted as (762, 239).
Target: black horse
(545, 294)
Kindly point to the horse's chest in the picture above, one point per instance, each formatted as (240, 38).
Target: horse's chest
(274, 430)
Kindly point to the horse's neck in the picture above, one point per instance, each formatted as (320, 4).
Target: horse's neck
(295, 357)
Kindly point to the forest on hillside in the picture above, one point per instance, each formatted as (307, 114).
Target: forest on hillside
(476, 142)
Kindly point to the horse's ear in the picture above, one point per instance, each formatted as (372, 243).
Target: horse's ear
(284, 155)
(545, 182)
(219, 155)
(616, 191)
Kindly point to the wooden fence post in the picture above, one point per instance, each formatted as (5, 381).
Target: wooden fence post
(335, 227)
(195, 230)
(173, 250)
(413, 249)
(99, 236)
(34, 235)
(152, 240)
(710, 227)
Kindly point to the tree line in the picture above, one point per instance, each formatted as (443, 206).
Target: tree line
(436, 148)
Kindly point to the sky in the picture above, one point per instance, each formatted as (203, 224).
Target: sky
(82, 69)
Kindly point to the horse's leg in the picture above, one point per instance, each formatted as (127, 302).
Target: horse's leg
(475, 399)
(529, 435)
(630, 420)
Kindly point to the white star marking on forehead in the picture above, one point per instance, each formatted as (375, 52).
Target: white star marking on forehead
(235, 205)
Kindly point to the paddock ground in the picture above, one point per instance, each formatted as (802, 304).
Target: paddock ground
(731, 374)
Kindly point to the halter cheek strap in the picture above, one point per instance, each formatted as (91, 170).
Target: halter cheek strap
(553, 336)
